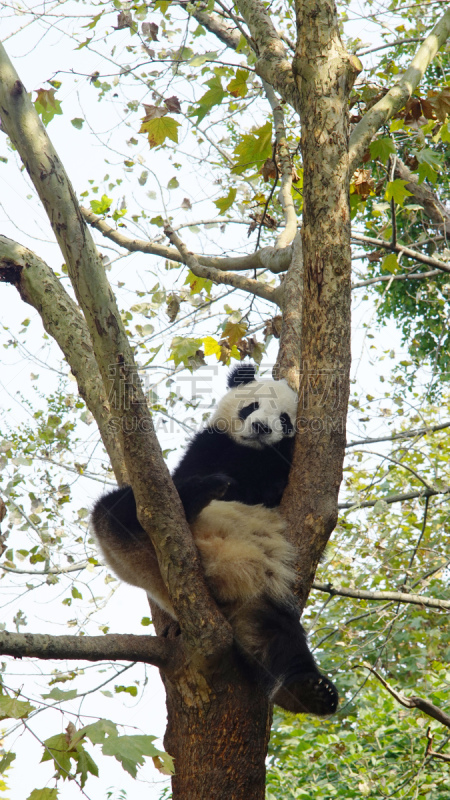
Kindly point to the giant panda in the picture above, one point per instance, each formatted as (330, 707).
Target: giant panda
(231, 480)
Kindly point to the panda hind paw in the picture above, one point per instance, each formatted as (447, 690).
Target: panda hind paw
(310, 693)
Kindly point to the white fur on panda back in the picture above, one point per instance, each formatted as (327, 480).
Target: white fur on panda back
(244, 551)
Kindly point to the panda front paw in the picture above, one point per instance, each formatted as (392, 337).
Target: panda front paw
(311, 693)
(197, 492)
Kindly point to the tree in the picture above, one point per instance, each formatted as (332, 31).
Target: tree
(312, 82)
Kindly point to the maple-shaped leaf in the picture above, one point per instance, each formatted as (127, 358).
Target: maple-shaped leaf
(173, 105)
(382, 148)
(160, 129)
(238, 85)
(47, 105)
(213, 97)
(234, 331)
(397, 192)
(253, 149)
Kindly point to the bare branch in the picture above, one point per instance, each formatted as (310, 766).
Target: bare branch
(268, 258)
(394, 498)
(405, 276)
(409, 434)
(400, 597)
(429, 752)
(154, 650)
(245, 284)
(399, 248)
(39, 287)
(413, 702)
(396, 97)
(285, 193)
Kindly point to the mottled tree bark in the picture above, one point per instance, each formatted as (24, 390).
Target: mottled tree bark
(324, 74)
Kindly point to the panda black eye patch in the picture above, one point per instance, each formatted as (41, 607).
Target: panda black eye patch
(247, 410)
(286, 423)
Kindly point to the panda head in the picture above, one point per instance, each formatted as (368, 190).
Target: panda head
(255, 413)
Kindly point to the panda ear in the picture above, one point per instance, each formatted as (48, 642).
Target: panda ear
(243, 373)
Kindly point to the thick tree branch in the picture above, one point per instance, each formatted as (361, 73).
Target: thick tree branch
(396, 97)
(39, 287)
(413, 702)
(226, 33)
(400, 248)
(159, 506)
(285, 165)
(324, 75)
(162, 653)
(287, 364)
(272, 64)
(244, 284)
(400, 597)
(268, 258)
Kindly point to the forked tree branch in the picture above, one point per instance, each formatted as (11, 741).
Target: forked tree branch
(159, 506)
(267, 258)
(413, 702)
(273, 295)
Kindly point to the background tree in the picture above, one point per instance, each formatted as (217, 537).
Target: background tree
(233, 112)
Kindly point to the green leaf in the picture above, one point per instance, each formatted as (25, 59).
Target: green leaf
(183, 349)
(130, 751)
(390, 263)
(173, 184)
(98, 731)
(43, 794)
(445, 132)
(396, 191)
(10, 708)
(60, 694)
(160, 129)
(6, 761)
(238, 85)
(382, 148)
(77, 123)
(224, 203)
(253, 149)
(101, 206)
(129, 689)
(198, 61)
(46, 105)
(197, 284)
(426, 172)
(213, 97)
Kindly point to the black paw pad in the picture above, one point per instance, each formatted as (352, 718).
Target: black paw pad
(311, 693)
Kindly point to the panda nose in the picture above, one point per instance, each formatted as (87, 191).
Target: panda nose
(260, 427)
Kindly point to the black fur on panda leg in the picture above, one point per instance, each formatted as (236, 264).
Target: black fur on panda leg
(197, 492)
(289, 669)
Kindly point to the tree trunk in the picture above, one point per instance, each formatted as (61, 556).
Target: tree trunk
(218, 731)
